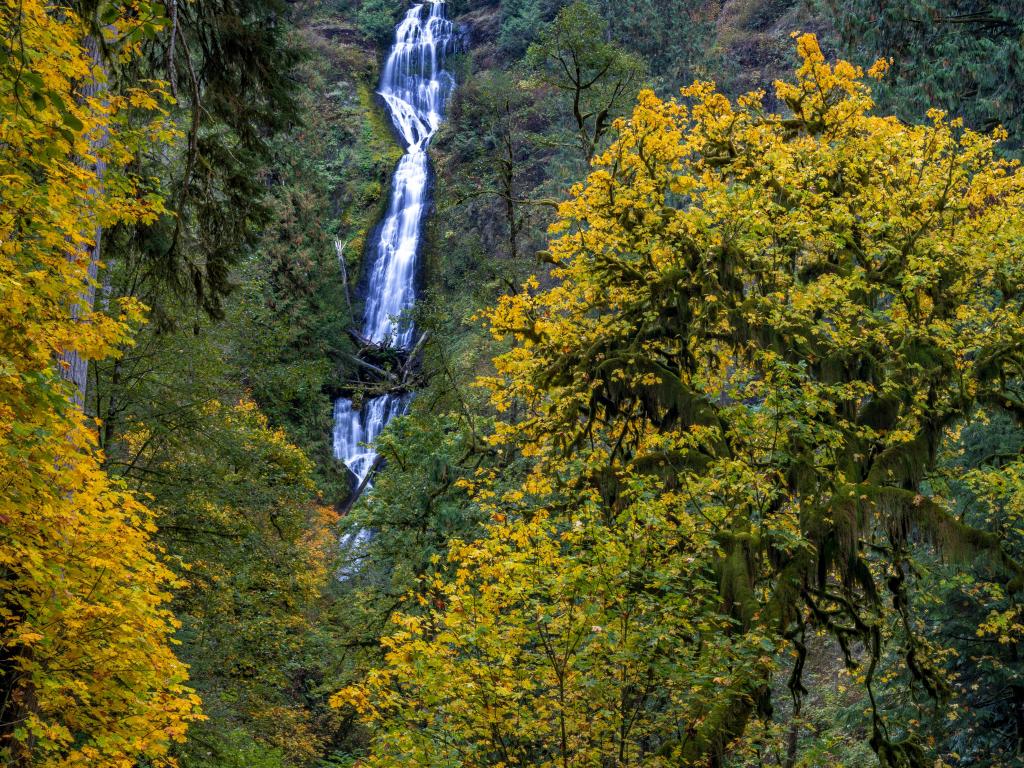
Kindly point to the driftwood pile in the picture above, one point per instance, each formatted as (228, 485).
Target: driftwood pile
(382, 369)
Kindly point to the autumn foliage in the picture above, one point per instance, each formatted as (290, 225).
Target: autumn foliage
(762, 329)
(87, 672)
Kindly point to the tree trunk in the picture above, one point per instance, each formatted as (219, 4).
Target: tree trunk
(74, 367)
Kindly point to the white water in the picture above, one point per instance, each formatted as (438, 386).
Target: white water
(415, 86)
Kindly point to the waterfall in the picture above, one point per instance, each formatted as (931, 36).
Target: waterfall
(415, 87)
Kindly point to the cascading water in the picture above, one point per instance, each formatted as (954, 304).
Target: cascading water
(415, 86)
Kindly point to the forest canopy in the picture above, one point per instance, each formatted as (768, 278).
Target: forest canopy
(511, 383)
(732, 402)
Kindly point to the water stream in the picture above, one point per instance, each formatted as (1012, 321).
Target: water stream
(415, 86)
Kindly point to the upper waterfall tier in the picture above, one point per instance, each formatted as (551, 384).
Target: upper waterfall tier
(415, 84)
(415, 87)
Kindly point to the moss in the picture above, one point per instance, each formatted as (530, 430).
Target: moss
(378, 127)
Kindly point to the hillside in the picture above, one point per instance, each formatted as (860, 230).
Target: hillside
(498, 383)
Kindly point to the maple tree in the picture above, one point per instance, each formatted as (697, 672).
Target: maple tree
(554, 645)
(87, 673)
(763, 328)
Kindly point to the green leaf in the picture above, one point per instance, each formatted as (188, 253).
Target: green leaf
(72, 122)
(109, 14)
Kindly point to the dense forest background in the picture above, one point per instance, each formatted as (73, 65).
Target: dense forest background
(273, 163)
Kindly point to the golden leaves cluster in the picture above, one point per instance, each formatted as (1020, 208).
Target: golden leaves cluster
(85, 635)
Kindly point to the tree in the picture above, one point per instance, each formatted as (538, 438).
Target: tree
(229, 64)
(376, 19)
(963, 56)
(555, 646)
(971, 609)
(240, 521)
(573, 55)
(764, 327)
(87, 674)
(502, 164)
(521, 20)
(243, 527)
(75, 367)
(674, 39)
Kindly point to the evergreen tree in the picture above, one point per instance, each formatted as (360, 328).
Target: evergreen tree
(963, 56)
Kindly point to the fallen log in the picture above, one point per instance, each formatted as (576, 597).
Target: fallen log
(361, 340)
(375, 369)
(362, 485)
(410, 359)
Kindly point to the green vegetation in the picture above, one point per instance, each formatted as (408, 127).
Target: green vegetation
(962, 57)
(715, 457)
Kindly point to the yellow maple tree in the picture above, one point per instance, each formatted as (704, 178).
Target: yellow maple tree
(760, 329)
(87, 672)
